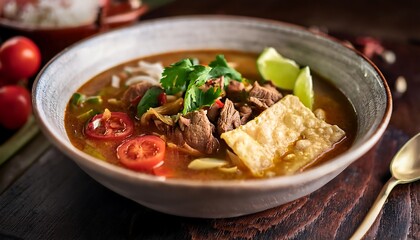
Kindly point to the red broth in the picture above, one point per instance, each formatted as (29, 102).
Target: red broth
(327, 97)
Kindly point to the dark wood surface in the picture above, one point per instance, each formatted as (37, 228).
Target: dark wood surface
(54, 199)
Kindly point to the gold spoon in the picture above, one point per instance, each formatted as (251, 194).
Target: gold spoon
(405, 168)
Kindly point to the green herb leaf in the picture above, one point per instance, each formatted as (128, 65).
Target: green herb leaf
(174, 77)
(195, 98)
(186, 75)
(149, 99)
(200, 75)
(220, 68)
(219, 61)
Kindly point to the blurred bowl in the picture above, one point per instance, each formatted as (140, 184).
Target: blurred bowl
(52, 40)
(351, 72)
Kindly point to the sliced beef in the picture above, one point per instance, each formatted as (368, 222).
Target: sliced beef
(229, 118)
(197, 132)
(262, 97)
(134, 93)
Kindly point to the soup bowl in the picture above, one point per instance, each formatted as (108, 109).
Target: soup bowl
(348, 70)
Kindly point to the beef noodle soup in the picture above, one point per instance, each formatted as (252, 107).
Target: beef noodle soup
(202, 115)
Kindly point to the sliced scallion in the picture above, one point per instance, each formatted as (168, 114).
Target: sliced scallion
(77, 99)
(87, 115)
(94, 100)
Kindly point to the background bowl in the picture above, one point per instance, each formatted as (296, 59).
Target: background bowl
(352, 73)
(52, 40)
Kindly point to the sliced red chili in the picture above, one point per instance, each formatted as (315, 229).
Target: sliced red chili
(162, 98)
(219, 103)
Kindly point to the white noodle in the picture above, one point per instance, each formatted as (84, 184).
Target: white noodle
(132, 70)
(152, 69)
(115, 81)
(137, 79)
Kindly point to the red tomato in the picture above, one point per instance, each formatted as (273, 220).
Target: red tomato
(142, 153)
(15, 106)
(20, 57)
(117, 127)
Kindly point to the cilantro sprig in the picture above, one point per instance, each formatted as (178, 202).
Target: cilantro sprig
(220, 68)
(174, 77)
(195, 98)
(187, 76)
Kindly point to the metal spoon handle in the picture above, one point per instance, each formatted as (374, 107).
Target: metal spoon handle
(375, 209)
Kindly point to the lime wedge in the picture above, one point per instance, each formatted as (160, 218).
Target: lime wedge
(304, 88)
(281, 71)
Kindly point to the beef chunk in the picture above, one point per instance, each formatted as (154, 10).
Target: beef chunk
(173, 133)
(197, 132)
(134, 93)
(229, 118)
(213, 112)
(235, 91)
(175, 138)
(262, 97)
(245, 112)
(235, 86)
(193, 131)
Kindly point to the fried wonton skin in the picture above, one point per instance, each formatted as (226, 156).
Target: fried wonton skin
(287, 133)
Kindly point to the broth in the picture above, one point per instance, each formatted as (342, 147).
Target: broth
(338, 112)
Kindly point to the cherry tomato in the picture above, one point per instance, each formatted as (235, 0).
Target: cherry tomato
(142, 153)
(20, 58)
(15, 106)
(117, 127)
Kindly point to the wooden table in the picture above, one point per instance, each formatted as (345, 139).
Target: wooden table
(51, 198)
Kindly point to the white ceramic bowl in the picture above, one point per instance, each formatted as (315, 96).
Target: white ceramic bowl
(353, 74)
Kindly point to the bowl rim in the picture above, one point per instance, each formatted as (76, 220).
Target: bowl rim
(332, 165)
